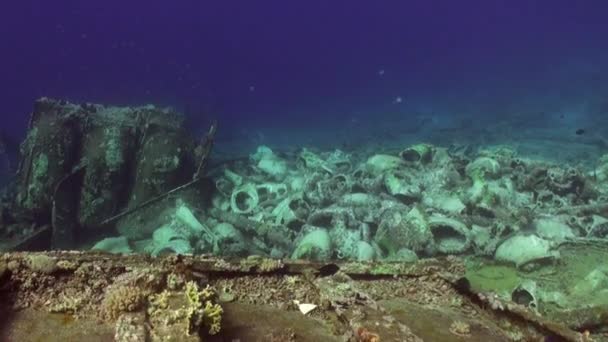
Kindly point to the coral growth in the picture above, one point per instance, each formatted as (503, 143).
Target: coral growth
(188, 312)
(460, 328)
(121, 299)
(201, 311)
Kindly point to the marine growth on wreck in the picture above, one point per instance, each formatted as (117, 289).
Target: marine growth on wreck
(131, 181)
(355, 171)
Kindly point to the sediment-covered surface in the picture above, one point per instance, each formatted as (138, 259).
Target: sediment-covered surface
(99, 297)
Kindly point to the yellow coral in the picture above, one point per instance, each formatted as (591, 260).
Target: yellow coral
(207, 293)
(192, 294)
(67, 303)
(158, 301)
(121, 299)
(209, 314)
(212, 317)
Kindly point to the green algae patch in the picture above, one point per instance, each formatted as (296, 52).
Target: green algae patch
(490, 277)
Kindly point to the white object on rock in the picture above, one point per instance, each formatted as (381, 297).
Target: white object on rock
(305, 308)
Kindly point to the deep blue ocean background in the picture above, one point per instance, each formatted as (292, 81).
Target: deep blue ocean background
(306, 72)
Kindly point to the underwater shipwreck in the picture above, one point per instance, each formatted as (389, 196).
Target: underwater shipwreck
(120, 225)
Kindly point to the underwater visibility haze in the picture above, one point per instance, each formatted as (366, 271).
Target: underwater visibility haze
(304, 171)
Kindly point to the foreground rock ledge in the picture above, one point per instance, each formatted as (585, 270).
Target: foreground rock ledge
(102, 297)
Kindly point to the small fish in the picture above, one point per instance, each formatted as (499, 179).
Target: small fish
(398, 99)
(381, 72)
(580, 131)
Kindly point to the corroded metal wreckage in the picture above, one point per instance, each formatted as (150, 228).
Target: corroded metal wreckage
(86, 169)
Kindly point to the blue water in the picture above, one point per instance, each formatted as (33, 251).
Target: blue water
(305, 72)
(367, 77)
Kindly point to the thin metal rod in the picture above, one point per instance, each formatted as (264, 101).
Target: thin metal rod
(207, 145)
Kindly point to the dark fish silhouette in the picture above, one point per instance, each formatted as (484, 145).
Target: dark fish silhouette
(580, 131)
(8, 151)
